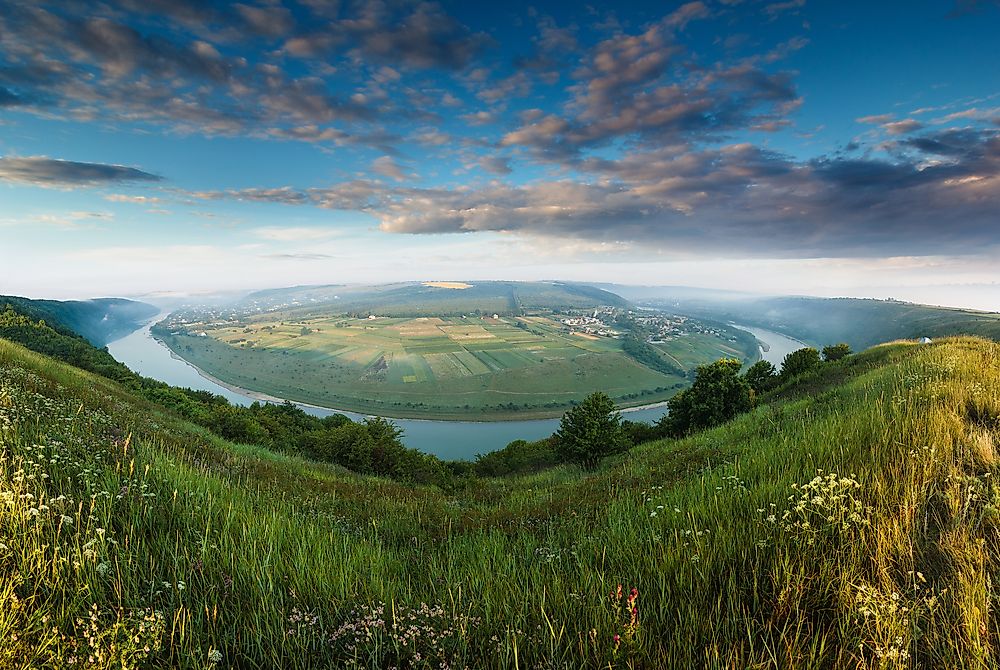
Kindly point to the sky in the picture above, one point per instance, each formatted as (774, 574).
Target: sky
(777, 146)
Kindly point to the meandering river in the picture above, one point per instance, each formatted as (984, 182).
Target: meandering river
(449, 440)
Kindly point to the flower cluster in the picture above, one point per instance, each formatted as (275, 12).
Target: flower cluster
(827, 502)
(625, 610)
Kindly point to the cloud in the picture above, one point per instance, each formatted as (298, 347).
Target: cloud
(636, 87)
(495, 164)
(134, 199)
(50, 172)
(388, 167)
(902, 127)
(933, 192)
(247, 68)
(297, 257)
(294, 234)
(875, 119)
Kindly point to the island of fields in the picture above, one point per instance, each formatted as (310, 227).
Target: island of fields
(472, 367)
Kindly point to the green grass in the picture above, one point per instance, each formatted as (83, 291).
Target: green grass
(280, 557)
(437, 367)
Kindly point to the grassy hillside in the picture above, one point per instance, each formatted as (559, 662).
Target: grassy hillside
(820, 321)
(99, 321)
(851, 523)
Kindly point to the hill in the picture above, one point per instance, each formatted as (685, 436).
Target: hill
(851, 522)
(818, 321)
(99, 321)
(431, 298)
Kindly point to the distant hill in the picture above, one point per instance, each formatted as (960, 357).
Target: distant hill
(820, 321)
(100, 321)
(432, 298)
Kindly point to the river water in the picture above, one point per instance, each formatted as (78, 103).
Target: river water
(450, 440)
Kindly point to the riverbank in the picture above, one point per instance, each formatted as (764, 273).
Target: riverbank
(454, 440)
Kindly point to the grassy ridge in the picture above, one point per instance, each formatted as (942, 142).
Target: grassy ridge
(852, 523)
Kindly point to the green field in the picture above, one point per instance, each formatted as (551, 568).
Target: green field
(447, 367)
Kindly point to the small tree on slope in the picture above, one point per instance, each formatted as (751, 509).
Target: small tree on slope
(590, 431)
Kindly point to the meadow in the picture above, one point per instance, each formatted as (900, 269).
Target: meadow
(849, 522)
(441, 367)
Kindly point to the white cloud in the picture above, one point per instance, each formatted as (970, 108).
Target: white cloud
(294, 234)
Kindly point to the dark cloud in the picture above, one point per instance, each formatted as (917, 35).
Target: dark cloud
(423, 36)
(50, 172)
(736, 199)
(215, 68)
(638, 87)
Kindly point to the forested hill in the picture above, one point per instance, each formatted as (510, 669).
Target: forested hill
(100, 321)
(859, 322)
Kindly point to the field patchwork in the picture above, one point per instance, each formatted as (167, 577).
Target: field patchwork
(450, 367)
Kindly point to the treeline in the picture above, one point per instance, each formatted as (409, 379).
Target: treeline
(373, 446)
(720, 392)
(646, 354)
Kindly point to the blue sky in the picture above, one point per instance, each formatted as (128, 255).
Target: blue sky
(790, 146)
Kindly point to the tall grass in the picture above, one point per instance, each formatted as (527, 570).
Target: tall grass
(850, 523)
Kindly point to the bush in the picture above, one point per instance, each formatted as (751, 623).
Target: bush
(835, 352)
(590, 431)
(718, 394)
(799, 362)
(761, 376)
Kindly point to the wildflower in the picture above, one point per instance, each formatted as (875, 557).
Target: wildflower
(66, 520)
(214, 656)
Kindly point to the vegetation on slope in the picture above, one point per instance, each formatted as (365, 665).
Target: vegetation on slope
(851, 523)
(372, 446)
(98, 321)
(859, 322)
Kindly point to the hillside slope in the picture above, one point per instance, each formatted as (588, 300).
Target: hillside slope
(99, 321)
(856, 527)
(820, 321)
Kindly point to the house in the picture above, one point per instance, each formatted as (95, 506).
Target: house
(925, 340)
(372, 317)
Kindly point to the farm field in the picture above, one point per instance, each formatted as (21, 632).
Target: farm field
(471, 367)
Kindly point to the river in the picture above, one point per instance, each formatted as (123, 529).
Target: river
(449, 440)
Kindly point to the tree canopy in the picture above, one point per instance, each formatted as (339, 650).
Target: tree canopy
(590, 431)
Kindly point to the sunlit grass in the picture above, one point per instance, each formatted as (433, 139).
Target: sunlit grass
(851, 523)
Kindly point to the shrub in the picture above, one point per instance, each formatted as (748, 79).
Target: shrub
(761, 376)
(835, 352)
(798, 362)
(590, 431)
(718, 394)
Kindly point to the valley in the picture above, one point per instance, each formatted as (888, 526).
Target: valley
(480, 366)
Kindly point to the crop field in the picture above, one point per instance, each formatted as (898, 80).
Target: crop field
(468, 367)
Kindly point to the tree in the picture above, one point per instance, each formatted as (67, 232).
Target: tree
(761, 376)
(718, 394)
(799, 362)
(835, 352)
(590, 431)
